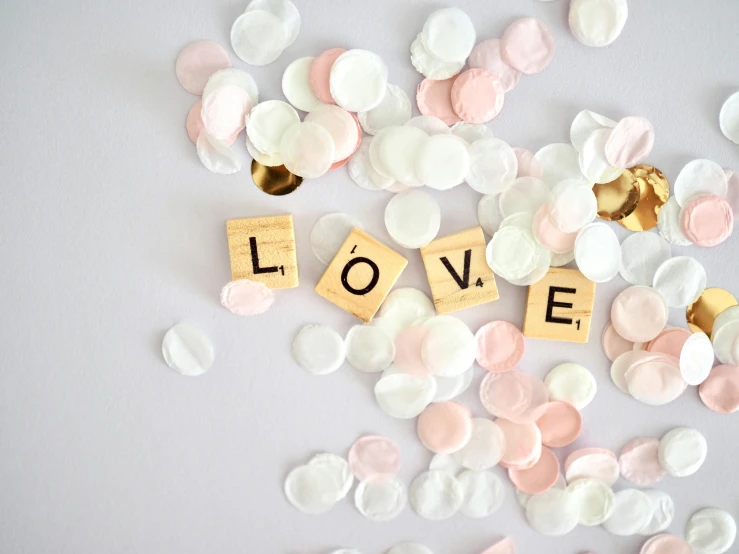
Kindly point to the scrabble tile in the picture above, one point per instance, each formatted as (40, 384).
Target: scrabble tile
(263, 249)
(560, 306)
(458, 272)
(361, 275)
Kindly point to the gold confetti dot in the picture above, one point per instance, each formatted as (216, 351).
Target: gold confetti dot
(618, 198)
(277, 181)
(703, 312)
(654, 190)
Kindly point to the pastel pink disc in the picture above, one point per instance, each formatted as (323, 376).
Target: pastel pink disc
(374, 459)
(342, 163)
(707, 220)
(486, 55)
(445, 427)
(499, 346)
(513, 395)
(197, 61)
(522, 441)
(560, 424)
(223, 111)
(528, 165)
(194, 123)
(720, 391)
(505, 546)
(527, 463)
(657, 381)
(435, 98)
(666, 544)
(245, 297)
(477, 96)
(320, 72)
(408, 351)
(549, 235)
(639, 314)
(639, 461)
(527, 45)
(582, 452)
(669, 341)
(540, 477)
(630, 143)
(614, 344)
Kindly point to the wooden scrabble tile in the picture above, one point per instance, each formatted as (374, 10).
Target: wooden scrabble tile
(361, 275)
(560, 306)
(458, 272)
(263, 249)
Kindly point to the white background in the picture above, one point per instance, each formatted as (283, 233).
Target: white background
(111, 232)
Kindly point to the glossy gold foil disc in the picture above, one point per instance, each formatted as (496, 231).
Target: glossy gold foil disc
(702, 313)
(654, 190)
(618, 198)
(276, 181)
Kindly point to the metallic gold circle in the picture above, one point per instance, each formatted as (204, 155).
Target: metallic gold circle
(703, 312)
(277, 181)
(654, 190)
(618, 198)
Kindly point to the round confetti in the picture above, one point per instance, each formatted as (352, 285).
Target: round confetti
(194, 123)
(380, 501)
(528, 165)
(720, 391)
(670, 342)
(554, 512)
(639, 314)
(499, 346)
(318, 349)
(443, 162)
(632, 511)
(329, 233)
(560, 424)
(412, 219)
(548, 235)
(375, 459)
(642, 254)
(483, 493)
(631, 140)
(711, 531)
(269, 161)
(267, 124)
(447, 463)
(617, 199)
(320, 74)
(527, 45)
(523, 442)
(572, 205)
(540, 477)
(398, 152)
(523, 498)
(664, 511)
(559, 260)
(358, 80)
(559, 162)
(445, 427)
(407, 305)
(666, 544)
(729, 118)
(485, 448)
(732, 196)
(235, 77)
(593, 162)
(584, 124)
(449, 388)
(338, 468)
(702, 313)
(505, 546)
(307, 150)
(285, 11)
(341, 125)
(696, 359)
(477, 96)
(597, 22)
(513, 395)
(409, 548)
(435, 98)
(493, 166)
(216, 156)
(369, 349)
(682, 451)
(296, 85)
(404, 396)
(680, 281)
(668, 223)
(312, 489)
(449, 34)
(707, 220)
(655, 381)
(245, 297)
(436, 495)
(598, 252)
(654, 191)
(197, 61)
(700, 177)
(488, 214)
(595, 498)
(571, 383)
(513, 253)
(222, 112)
(614, 344)
(429, 65)
(592, 463)
(527, 195)
(275, 181)
(363, 173)
(430, 125)
(486, 55)
(408, 343)
(395, 109)
(639, 462)
(187, 350)
(449, 348)
(258, 37)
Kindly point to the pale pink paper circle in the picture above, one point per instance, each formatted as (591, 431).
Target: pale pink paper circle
(223, 111)
(505, 546)
(560, 424)
(320, 72)
(374, 459)
(499, 346)
(435, 98)
(577, 454)
(245, 297)
(527, 45)
(707, 220)
(194, 123)
(669, 342)
(445, 427)
(666, 544)
(513, 395)
(540, 477)
(477, 96)
(639, 461)
(522, 441)
(639, 314)
(527, 464)
(732, 194)
(656, 381)
(408, 351)
(614, 344)
(197, 61)
(528, 165)
(548, 234)
(342, 163)
(486, 55)
(631, 141)
(720, 391)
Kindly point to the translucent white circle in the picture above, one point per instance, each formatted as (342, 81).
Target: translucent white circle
(493, 166)
(572, 205)
(696, 359)
(664, 511)
(593, 465)
(296, 85)
(187, 350)
(341, 125)
(680, 281)
(395, 109)
(595, 498)
(358, 80)
(725, 334)
(558, 260)
(571, 383)
(430, 125)
(655, 382)
(729, 118)
(380, 501)
(267, 123)
(307, 150)
(329, 233)
(216, 156)
(235, 77)
(523, 498)
(404, 396)
(258, 37)
(413, 218)
(436, 495)
(668, 223)
(443, 162)
(285, 11)
(318, 349)
(447, 463)
(488, 214)
(485, 447)
(711, 531)
(398, 152)
(598, 252)
(597, 22)
(429, 65)
(449, 388)
(584, 124)
(312, 489)
(593, 162)
(363, 173)
(543, 263)
(682, 451)
(409, 548)
(642, 254)
(512, 253)
(559, 162)
(406, 305)
(448, 349)
(554, 512)
(269, 160)
(483, 493)
(449, 35)
(369, 349)
(700, 177)
(223, 112)
(526, 195)
(339, 470)
(631, 513)
(472, 132)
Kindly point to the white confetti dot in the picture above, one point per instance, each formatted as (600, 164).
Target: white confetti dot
(430, 125)
(341, 125)
(187, 350)
(296, 85)
(668, 223)
(554, 512)
(483, 493)
(404, 396)
(700, 177)
(369, 349)
(592, 464)
(493, 166)
(307, 150)
(449, 35)
(559, 162)
(358, 80)
(235, 77)
(361, 170)
(696, 359)
(682, 451)
(329, 233)
(597, 22)
(258, 37)
(488, 214)
(267, 123)
(711, 531)
(598, 252)
(449, 388)
(725, 335)
(443, 162)
(412, 218)
(664, 511)
(472, 132)
(429, 65)
(631, 513)
(593, 162)
(729, 118)
(380, 501)
(216, 156)
(526, 195)
(449, 348)
(642, 254)
(395, 153)
(285, 11)
(584, 124)
(595, 498)
(395, 109)
(318, 349)
(512, 253)
(339, 470)
(312, 489)
(571, 383)
(485, 447)
(680, 281)
(572, 205)
(436, 495)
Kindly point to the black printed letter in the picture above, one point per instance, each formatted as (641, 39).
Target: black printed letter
(373, 281)
(551, 304)
(255, 259)
(464, 282)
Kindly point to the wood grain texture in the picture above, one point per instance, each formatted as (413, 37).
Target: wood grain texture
(560, 307)
(272, 238)
(452, 286)
(361, 275)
